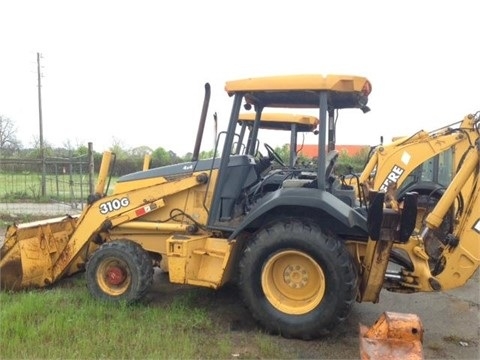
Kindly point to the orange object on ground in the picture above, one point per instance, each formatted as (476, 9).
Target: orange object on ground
(393, 336)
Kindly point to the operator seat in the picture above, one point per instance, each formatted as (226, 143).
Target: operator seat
(330, 161)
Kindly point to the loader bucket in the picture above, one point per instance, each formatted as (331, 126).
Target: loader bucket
(36, 254)
(33, 251)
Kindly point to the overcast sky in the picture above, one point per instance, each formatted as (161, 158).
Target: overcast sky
(133, 72)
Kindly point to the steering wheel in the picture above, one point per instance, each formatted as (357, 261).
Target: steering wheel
(272, 155)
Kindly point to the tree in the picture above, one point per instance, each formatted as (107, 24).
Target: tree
(206, 154)
(284, 152)
(35, 152)
(118, 148)
(139, 152)
(8, 139)
(161, 157)
(347, 164)
(82, 150)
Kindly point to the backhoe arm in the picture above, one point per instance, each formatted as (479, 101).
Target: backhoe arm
(392, 163)
(461, 256)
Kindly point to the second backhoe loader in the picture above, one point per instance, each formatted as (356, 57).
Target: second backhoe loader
(301, 254)
(295, 124)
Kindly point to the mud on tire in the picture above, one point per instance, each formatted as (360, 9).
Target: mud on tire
(120, 270)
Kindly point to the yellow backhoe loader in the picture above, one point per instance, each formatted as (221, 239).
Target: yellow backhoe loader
(301, 254)
(295, 124)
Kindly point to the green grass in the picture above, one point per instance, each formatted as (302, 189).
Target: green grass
(65, 322)
(68, 323)
(26, 186)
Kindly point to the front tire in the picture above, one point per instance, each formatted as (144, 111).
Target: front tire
(119, 271)
(296, 280)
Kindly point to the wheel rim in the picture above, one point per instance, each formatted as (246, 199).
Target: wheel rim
(113, 276)
(293, 282)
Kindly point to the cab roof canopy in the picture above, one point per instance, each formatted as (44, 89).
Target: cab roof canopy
(282, 121)
(301, 91)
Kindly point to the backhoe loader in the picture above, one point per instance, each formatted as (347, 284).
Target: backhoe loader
(301, 254)
(294, 123)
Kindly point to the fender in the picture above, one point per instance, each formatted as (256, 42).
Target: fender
(307, 198)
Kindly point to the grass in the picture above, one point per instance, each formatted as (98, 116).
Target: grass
(26, 186)
(62, 323)
(65, 322)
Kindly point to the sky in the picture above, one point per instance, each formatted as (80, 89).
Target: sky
(133, 72)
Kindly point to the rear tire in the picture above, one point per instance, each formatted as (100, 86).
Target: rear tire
(297, 281)
(119, 271)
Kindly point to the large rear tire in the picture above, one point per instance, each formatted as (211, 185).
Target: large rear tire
(296, 280)
(119, 271)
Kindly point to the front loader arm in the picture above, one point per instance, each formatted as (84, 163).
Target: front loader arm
(39, 254)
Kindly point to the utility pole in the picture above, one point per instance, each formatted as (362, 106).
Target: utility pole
(40, 120)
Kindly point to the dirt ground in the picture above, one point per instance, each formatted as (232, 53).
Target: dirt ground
(451, 321)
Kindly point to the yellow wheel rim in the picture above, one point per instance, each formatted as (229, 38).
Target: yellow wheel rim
(293, 282)
(113, 277)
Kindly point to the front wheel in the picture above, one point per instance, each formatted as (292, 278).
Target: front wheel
(119, 271)
(297, 281)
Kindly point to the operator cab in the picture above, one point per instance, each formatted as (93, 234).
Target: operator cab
(327, 94)
(270, 125)
(274, 168)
